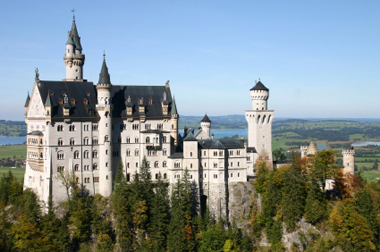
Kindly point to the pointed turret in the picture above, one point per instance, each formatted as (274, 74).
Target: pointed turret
(48, 100)
(48, 105)
(206, 125)
(27, 101)
(174, 108)
(73, 58)
(104, 76)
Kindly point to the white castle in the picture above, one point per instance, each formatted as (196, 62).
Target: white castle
(78, 127)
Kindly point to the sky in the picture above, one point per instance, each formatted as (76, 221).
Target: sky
(320, 59)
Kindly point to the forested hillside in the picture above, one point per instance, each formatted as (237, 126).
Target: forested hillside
(12, 128)
(290, 210)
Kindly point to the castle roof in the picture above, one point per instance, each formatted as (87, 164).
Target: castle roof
(77, 93)
(48, 101)
(27, 100)
(219, 144)
(259, 86)
(153, 109)
(104, 77)
(74, 34)
(35, 133)
(190, 137)
(206, 119)
(174, 108)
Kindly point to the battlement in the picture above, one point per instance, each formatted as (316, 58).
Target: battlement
(259, 95)
(303, 148)
(348, 152)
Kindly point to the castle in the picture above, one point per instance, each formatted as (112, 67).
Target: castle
(78, 127)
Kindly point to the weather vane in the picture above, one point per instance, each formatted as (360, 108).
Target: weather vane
(73, 10)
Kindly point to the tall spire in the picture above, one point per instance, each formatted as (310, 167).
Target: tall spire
(104, 77)
(75, 36)
(174, 108)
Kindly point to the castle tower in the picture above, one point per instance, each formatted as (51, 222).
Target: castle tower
(174, 123)
(104, 108)
(303, 150)
(260, 122)
(73, 58)
(349, 161)
(206, 125)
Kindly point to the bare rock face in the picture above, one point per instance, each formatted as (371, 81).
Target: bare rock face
(240, 196)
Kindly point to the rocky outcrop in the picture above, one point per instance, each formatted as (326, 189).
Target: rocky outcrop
(240, 196)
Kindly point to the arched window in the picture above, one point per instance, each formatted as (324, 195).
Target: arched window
(191, 154)
(105, 138)
(147, 140)
(60, 142)
(60, 155)
(94, 141)
(72, 141)
(156, 175)
(156, 164)
(165, 176)
(128, 140)
(76, 154)
(85, 141)
(128, 152)
(41, 155)
(85, 154)
(164, 139)
(95, 154)
(137, 152)
(76, 167)
(128, 177)
(177, 165)
(95, 166)
(164, 164)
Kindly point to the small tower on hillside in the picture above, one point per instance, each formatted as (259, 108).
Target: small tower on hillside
(206, 125)
(349, 161)
(260, 122)
(174, 123)
(104, 108)
(303, 150)
(74, 59)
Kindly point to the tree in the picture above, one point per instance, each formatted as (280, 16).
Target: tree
(69, 181)
(324, 167)
(278, 155)
(315, 202)
(119, 177)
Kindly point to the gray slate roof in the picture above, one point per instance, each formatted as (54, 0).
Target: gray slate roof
(27, 100)
(104, 77)
(219, 144)
(322, 146)
(190, 137)
(259, 86)
(174, 108)
(74, 34)
(35, 133)
(77, 91)
(206, 119)
(154, 94)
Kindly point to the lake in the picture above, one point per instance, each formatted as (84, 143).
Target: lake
(12, 140)
(229, 133)
(365, 144)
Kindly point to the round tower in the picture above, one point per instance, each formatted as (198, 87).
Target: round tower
(104, 108)
(259, 96)
(73, 58)
(206, 125)
(349, 161)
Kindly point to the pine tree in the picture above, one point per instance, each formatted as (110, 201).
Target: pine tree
(160, 215)
(315, 205)
(119, 177)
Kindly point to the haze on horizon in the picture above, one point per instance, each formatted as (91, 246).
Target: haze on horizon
(320, 59)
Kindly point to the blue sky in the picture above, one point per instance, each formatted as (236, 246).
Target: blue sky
(318, 58)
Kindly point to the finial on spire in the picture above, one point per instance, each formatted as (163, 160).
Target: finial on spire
(73, 10)
(104, 55)
(259, 79)
(255, 82)
(37, 74)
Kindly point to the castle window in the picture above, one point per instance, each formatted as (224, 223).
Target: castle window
(220, 153)
(86, 167)
(191, 154)
(215, 165)
(147, 140)
(232, 164)
(147, 126)
(106, 152)
(77, 180)
(95, 154)
(95, 127)
(95, 166)
(204, 153)
(106, 164)
(137, 152)
(215, 176)
(238, 152)
(238, 164)
(128, 153)
(205, 175)
(107, 177)
(76, 167)
(135, 127)
(164, 164)
(127, 165)
(164, 152)
(96, 179)
(128, 177)
(128, 140)
(85, 154)
(160, 126)
(72, 141)
(41, 156)
(177, 165)
(85, 141)
(105, 138)
(156, 175)
(164, 139)
(165, 176)
(86, 180)
(59, 127)
(136, 140)
(94, 141)
(76, 154)
(60, 142)
(60, 169)
(215, 153)
(156, 164)
(191, 165)
(60, 155)
(72, 128)
(232, 175)
(205, 164)
(137, 164)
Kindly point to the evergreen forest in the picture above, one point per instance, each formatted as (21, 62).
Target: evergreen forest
(144, 216)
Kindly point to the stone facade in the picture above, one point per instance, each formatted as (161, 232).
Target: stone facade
(77, 127)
